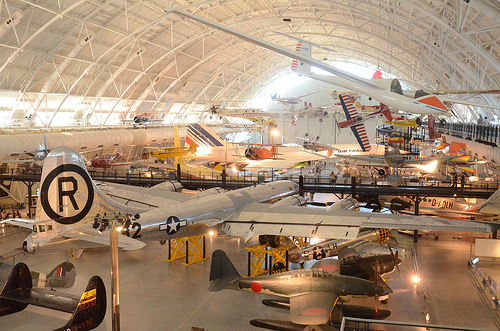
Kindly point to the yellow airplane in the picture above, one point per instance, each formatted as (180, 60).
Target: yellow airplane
(165, 152)
(413, 122)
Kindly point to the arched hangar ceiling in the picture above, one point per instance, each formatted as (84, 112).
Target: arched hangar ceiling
(135, 54)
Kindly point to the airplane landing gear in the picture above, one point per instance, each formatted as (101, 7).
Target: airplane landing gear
(271, 240)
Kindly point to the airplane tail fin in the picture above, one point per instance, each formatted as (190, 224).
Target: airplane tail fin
(387, 112)
(67, 192)
(61, 276)
(222, 271)
(19, 283)
(377, 75)
(303, 48)
(192, 148)
(91, 309)
(202, 135)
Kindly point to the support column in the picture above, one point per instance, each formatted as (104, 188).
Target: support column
(415, 232)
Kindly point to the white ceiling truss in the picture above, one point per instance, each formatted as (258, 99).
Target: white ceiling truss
(133, 55)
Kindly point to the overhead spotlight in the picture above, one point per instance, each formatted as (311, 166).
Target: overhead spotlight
(119, 228)
(96, 224)
(102, 228)
(476, 260)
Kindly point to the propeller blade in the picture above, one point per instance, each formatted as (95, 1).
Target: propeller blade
(395, 259)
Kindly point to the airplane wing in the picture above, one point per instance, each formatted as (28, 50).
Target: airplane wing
(262, 219)
(155, 196)
(21, 222)
(91, 235)
(312, 308)
(466, 102)
(372, 158)
(366, 248)
(359, 130)
(18, 161)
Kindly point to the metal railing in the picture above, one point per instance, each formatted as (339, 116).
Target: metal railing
(368, 322)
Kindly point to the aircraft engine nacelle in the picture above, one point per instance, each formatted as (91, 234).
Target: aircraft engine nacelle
(344, 204)
(294, 200)
(399, 204)
(250, 154)
(28, 246)
(211, 191)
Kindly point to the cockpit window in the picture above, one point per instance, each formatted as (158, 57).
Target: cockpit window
(49, 227)
(35, 228)
(41, 228)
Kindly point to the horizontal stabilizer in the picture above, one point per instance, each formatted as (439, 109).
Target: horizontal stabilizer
(21, 222)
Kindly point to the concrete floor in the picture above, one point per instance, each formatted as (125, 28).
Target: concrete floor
(159, 295)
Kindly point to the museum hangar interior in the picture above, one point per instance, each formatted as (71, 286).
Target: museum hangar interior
(332, 149)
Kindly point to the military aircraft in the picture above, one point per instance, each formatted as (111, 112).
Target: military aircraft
(240, 112)
(366, 243)
(291, 100)
(17, 293)
(163, 153)
(70, 213)
(28, 157)
(395, 160)
(313, 292)
(444, 207)
(62, 276)
(144, 119)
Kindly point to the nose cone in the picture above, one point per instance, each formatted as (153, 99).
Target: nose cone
(358, 286)
(378, 290)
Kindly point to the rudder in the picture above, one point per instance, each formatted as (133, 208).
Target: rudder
(222, 271)
(18, 283)
(91, 309)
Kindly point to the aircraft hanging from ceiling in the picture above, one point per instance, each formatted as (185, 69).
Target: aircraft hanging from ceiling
(211, 147)
(107, 161)
(386, 91)
(17, 293)
(162, 153)
(28, 157)
(223, 111)
(290, 100)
